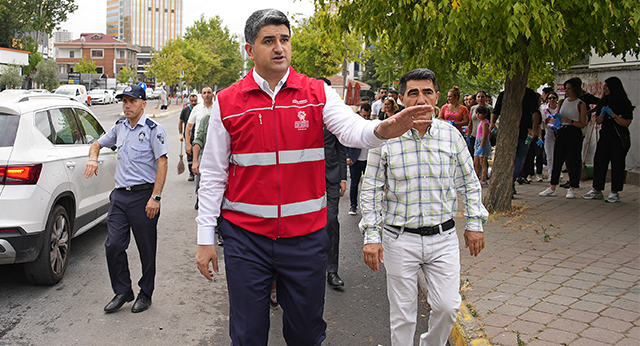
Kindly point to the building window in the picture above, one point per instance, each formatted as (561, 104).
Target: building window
(72, 54)
(97, 53)
(157, 9)
(121, 54)
(99, 69)
(173, 11)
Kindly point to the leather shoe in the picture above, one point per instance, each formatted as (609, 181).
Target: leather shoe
(117, 302)
(142, 303)
(334, 280)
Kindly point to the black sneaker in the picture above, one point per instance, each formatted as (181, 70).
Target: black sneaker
(352, 210)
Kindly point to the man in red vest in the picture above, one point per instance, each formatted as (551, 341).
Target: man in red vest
(263, 168)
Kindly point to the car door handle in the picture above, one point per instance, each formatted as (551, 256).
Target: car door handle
(70, 164)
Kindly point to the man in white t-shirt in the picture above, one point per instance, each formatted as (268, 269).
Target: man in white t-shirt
(377, 106)
(198, 112)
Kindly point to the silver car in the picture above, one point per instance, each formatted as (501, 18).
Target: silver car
(45, 200)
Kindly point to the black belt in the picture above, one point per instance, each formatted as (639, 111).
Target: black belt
(145, 186)
(429, 230)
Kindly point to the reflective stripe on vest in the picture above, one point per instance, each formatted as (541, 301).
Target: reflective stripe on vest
(286, 156)
(271, 211)
(248, 110)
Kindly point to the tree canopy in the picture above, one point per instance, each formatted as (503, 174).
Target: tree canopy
(11, 77)
(511, 36)
(85, 66)
(20, 17)
(127, 75)
(47, 74)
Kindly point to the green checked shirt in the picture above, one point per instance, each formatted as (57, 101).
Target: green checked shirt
(413, 182)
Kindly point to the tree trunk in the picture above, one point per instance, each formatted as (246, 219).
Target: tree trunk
(499, 193)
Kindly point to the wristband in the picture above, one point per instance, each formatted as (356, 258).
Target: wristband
(96, 160)
(375, 132)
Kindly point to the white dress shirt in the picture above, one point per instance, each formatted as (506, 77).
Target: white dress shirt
(351, 130)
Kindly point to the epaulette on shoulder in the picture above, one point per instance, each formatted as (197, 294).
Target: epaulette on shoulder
(121, 120)
(151, 123)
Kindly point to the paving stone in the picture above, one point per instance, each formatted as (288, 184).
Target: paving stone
(602, 335)
(544, 286)
(531, 293)
(597, 270)
(589, 277)
(538, 317)
(568, 325)
(541, 343)
(572, 265)
(588, 342)
(630, 271)
(634, 333)
(548, 261)
(509, 288)
(588, 306)
(628, 342)
(557, 336)
(570, 292)
(511, 310)
(609, 323)
(579, 315)
(498, 320)
(486, 305)
(491, 332)
(499, 296)
(522, 301)
(616, 283)
(559, 299)
(607, 265)
(497, 275)
(505, 338)
(598, 298)
(627, 304)
(525, 327)
(580, 284)
(562, 272)
(556, 279)
(620, 314)
(485, 283)
(549, 308)
(520, 281)
(608, 290)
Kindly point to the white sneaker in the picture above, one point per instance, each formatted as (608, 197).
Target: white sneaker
(539, 177)
(548, 193)
(613, 197)
(592, 194)
(571, 194)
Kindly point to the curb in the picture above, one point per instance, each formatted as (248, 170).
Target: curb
(466, 331)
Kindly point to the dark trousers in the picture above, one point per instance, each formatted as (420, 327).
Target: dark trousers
(521, 156)
(127, 212)
(609, 149)
(568, 148)
(471, 146)
(333, 226)
(297, 265)
(357, 170)
(534, 161)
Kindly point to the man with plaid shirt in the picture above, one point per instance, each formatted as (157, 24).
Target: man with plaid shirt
(414, 180)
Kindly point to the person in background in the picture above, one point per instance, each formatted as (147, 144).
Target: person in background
(394, 95)
(357, 162)
(481, 98)
(389, 108)
(549, 109)
(193, 125)
(182, 129)
(568, 140)
(482, 149)
(376, 108)
(533, 164)
(164, 98)
(615, 113)
(453, 112)
(365, 100)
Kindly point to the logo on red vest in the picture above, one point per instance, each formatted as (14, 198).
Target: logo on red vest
(302, 124)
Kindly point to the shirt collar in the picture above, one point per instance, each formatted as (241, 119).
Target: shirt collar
(141, 121)
(264, 85)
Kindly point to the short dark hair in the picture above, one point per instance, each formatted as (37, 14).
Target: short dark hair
(365, 98)
(193, 95)
(547, 90)
(417, 74)
(365, 107)
(383, 88)
(483, 110)
(262, 18)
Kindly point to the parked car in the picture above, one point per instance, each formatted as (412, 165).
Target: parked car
(100, 96)
(149, 93)
(77, 91)
(45, 200)
(39, 91)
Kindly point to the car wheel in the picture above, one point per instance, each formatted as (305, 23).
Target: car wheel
(51, 263)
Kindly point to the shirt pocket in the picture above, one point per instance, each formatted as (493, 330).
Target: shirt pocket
(142, 152)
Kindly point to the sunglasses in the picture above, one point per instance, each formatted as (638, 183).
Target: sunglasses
(552, 98)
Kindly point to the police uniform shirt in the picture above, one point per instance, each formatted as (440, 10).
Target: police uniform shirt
(138, 149)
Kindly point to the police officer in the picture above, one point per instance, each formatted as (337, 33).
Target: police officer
(135, 202)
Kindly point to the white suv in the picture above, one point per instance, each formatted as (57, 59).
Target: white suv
(45, 200)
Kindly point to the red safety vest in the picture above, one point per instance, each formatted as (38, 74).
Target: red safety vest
(276, 184)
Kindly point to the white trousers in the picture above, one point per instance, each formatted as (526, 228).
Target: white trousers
(438, 256)
(549, 143)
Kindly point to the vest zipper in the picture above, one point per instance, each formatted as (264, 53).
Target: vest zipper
(275, 131)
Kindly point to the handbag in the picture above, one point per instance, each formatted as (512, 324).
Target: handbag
(624, 140)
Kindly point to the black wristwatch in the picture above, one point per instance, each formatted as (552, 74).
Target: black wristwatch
(156, 198)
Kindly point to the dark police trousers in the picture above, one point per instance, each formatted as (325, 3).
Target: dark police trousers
(297, 264)
(127, 211)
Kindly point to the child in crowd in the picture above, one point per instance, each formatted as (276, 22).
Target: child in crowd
(482, 145)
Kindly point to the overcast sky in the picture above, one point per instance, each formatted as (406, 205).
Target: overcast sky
(92, 18)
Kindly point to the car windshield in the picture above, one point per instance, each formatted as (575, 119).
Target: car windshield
(8, 129)
(66, 91)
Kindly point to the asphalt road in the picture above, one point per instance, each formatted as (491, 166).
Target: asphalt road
(187, 309)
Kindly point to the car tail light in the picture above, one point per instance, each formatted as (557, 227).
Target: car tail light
(11, 230)
(19, 175)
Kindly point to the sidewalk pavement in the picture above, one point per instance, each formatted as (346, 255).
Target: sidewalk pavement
(560, 272)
